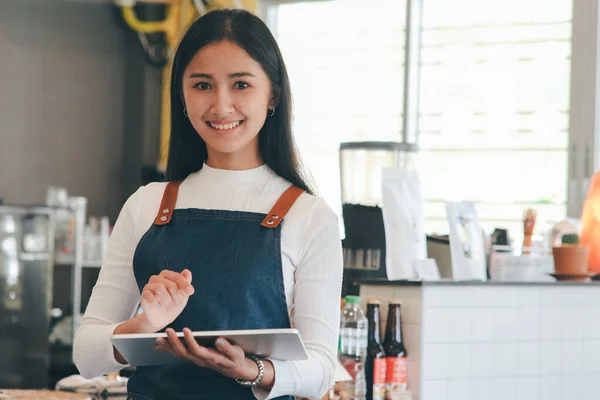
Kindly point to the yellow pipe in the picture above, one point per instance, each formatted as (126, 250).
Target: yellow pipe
(170, 26)
(165, 117)
(180, 14)
(249, 5)
(141, 26)
(186, 14)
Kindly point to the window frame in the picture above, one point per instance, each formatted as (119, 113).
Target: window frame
(584, 127)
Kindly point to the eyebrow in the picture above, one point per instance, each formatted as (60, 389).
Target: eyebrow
(208, 76)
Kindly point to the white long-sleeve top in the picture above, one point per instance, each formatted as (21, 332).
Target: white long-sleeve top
(311, 262)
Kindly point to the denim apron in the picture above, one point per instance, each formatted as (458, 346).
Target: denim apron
(235, 260)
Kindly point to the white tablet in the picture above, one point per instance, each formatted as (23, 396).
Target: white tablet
(278, 344)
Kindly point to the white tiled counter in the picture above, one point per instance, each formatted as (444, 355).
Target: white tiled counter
(498, 340)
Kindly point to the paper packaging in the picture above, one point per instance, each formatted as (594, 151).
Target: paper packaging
(403, 221)
(466, 241)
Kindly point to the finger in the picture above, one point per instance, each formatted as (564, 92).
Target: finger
(234, 353)
(210, 356)
(155, 279)
(187, 274)
(176, 277)
(163, 294)
(168, 283)
(178, 296)
(150, 298)
(176, 344)
(172, 288)
(159, 293)
(179, 279)
(162, 344)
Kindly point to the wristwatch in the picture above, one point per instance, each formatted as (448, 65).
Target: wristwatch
(261, 372)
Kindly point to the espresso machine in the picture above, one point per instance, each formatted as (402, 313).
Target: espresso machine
(26, 262)
(364, 245)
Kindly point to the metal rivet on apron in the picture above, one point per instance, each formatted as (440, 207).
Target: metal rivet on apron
(166, 210)
(269, 222)
(275, 216)
(163, 218)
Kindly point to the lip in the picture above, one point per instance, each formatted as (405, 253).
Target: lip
(224, 131)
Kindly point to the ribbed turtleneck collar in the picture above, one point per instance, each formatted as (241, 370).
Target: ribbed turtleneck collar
(233, 177)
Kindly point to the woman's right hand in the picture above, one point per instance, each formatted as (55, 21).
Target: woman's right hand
(165, 296)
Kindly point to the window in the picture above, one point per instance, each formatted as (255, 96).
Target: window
(345, 62)
(494, 108)
(494, 97)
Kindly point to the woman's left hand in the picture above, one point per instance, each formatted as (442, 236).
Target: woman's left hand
(228, 359)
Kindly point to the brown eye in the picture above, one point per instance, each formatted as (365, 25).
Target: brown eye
(202, 86)
(241, 85)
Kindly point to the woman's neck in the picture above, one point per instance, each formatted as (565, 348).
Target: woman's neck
(234, 161)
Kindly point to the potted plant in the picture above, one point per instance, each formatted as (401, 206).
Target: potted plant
(570, 240)
(570, 258)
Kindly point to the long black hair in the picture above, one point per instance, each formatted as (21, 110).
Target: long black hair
(187, 150)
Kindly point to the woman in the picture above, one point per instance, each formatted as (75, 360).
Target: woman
(234, 240)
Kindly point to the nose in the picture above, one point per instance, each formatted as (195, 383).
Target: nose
(222, 103)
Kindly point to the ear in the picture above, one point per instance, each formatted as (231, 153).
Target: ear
(275, 96)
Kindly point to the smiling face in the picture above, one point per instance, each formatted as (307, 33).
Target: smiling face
(227, 95)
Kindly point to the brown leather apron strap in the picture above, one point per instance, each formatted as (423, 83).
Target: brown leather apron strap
(282, 207)
(167, 205)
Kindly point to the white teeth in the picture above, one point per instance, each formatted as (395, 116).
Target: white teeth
(225, 126)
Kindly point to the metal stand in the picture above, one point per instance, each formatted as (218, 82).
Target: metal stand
(77, 267)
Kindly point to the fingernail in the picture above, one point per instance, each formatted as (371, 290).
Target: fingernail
(220, 343)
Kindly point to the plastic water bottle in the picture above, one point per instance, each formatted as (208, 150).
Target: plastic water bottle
(353, 343)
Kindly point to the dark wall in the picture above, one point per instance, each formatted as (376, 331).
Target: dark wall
(79, 105)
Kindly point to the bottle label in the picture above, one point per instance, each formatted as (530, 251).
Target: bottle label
(379, 377)
(396, 376)
(351, 365)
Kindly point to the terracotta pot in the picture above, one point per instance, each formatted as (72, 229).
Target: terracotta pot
(571, 260)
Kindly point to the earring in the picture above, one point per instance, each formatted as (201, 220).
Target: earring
(272, 112)
(185, 111)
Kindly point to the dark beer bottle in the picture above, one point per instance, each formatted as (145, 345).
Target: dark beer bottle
(375, 365)
(396, 357)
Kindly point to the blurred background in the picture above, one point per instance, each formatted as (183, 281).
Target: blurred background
(490, 104)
